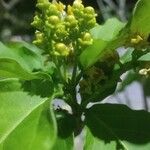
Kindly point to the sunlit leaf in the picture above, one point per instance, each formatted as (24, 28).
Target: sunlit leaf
(28, 122)
(141, 15)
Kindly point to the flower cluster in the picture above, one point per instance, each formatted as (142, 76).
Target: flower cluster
(63, 30)
(145, 72)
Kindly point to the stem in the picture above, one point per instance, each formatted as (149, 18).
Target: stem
(78, 78)
(58, 65)
(144, 95)
(65, 70)
(73, 79)
(111, 83)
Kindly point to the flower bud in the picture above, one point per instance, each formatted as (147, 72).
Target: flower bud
(39, 38)
(53, 20)
(69, 10)
(37, 22)
(136, 40)
(42, 5)
(60, 6)
(87, 37)
(61, 32)
(145, 72)
(91, 23)
(52, 10)
(71, 21)
(89, 10)
(78, 5)
(62, 49)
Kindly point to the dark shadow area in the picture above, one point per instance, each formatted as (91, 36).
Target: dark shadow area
(43, 88)
(65, 123)
(115, 122)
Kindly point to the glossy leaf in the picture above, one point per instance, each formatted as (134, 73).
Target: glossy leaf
(93, 143)
(65, 123)
(117, 123)
(20, 63)
(127, 57)
(141, 16)
(103, 37)
(41, 87)
(9, 85)
(145, 57)
(90, 55)
(10, 68)
(108, 31)
(29, 59)
(129, 79)
(27, 124)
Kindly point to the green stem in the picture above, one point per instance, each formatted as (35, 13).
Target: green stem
(110, 84)
(58, 66)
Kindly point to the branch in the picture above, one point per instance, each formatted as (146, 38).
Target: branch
(10, 5)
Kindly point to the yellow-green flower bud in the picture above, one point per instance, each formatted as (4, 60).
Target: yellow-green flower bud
(85, 43)
(71, 21)
(62, 49)
(60, 32)
(60, 6)
(43, 6)
(87, 37)
(69, 10)
(37, 22)
(145, 72)
(136, 40)
(39, 38)
(52, 10)
(91, 23)
(78, 5)
(53, 20)
(48, 25)
(89, 10)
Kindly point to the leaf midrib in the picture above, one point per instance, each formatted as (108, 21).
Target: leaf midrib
(10, 130)
(110, 130)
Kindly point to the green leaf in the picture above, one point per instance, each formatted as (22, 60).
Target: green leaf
(19, 63)
(10, 68)
(65, 123)
(130, 78)
(28, 122)
(64, 144)
(141, 15)
(90, 55)
(29, 59)
(43, 88)
(93, 143)
(118, 123)
(127, 57)
(9, 85)
(103, 37)
(108, 31)
(145, 57)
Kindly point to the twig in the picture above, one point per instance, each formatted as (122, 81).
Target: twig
(103, 9)
(10, 5)
(144, 95)
(121, 11)
(111, 4)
